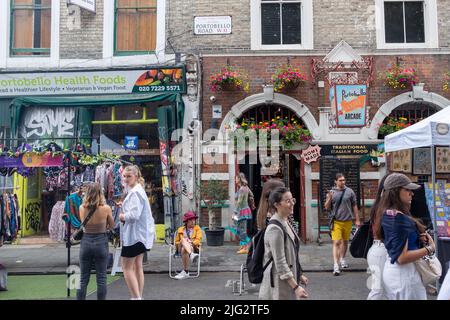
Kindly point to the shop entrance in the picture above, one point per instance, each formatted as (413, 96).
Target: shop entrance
(273, 116)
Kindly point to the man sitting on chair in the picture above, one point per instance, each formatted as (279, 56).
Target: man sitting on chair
(187, 242)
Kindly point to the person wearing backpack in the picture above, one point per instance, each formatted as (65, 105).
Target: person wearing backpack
(283, 273)
(342, 202)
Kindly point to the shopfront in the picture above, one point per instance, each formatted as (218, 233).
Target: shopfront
(123, 114)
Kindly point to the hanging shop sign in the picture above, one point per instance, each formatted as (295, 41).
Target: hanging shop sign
(348, 103)
(311, 154)
(31, 160)
(347, 149)
(131, 142)
(159, 80)
(85, 4)
(212, 25)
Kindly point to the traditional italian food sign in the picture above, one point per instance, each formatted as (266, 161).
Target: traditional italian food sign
(162, 80)
(350, 105)
(85, 4)
(212, 25)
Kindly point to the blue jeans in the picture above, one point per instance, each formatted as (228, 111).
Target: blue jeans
(94, 248)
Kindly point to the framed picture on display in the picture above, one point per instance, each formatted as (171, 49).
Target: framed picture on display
(442, 160)
(405, 160)
(396, 164)
(422, 161)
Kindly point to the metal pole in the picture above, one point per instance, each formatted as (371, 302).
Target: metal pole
(69, 229)
(435, 231)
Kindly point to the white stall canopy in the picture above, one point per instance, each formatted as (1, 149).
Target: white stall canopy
(433, 130)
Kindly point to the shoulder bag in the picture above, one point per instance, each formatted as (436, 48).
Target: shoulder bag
(333, 214)
(429, 268)
(76, 237)
(362, 241)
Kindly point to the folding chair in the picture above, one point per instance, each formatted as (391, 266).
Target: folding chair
(176, 256)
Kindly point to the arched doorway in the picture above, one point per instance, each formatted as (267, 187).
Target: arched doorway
(407, 114)
(423, 98)
(290, 166)
(301, 112)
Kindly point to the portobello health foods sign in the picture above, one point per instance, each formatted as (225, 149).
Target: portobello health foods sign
(348, 103)
(162, 80)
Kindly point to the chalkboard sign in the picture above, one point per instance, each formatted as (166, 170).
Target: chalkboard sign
(329, 166)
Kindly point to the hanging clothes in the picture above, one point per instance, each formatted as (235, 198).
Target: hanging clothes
(9, 217)
(57, 226)
(72, 210)
(109, 176)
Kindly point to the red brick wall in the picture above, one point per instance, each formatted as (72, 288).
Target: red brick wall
(260, 69)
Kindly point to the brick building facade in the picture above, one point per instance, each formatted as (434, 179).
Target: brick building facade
(361, 24)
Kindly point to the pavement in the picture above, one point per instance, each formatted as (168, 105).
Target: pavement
(48, 257)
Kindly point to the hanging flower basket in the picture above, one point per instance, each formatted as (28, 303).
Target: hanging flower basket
(290, 131)
(393, 125)
(287, 78)
(229, 78)
(401, 78)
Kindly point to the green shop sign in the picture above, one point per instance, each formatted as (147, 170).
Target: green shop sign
(162, 80)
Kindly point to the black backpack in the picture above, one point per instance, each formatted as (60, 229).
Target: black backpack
(255, 256)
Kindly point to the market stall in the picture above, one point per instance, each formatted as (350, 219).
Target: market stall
(433, 132)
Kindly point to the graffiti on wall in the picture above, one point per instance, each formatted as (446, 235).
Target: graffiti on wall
(48, 122)
(33, 216)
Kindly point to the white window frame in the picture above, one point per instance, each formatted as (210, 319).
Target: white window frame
(6, 61)
(430, 26)
(306, 28)
(108, 38)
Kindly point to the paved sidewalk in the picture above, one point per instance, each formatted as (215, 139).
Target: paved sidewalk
(52, 258)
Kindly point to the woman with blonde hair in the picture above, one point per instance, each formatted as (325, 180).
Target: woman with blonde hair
(138, 230)
(94, 244)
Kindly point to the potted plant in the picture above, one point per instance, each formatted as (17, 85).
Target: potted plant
(213, 195)
(401, 78)
(287, 78)
(229, 78)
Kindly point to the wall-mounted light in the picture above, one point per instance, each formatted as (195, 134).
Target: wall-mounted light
(268, 93)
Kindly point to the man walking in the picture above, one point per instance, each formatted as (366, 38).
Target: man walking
(342, 202)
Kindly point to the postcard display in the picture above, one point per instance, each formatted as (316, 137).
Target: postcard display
(442, 206)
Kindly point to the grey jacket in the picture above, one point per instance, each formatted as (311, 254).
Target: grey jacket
(284, 266)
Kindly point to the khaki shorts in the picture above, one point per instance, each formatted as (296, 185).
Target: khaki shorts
(341, 230)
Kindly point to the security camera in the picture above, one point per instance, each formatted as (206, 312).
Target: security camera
(213, 99)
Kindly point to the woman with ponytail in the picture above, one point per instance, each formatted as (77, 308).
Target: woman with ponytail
(138, 230)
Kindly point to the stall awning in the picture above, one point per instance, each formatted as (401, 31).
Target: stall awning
(84, 101)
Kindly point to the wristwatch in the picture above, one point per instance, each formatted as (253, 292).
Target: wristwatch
(296, 287)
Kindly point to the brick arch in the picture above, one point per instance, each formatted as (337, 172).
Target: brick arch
(386, 109)
(301, 111)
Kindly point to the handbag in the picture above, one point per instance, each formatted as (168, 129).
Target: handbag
(333, 215)
(76, 237)
(429, 268)
(362, 241)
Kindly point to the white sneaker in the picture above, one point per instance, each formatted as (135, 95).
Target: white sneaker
(193, 256)
(344, 264)
(182, 275)
(336, 270)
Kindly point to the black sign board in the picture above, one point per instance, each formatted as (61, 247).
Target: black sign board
(347, 149)
(329, 166)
